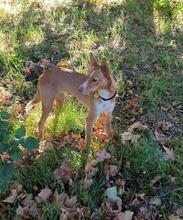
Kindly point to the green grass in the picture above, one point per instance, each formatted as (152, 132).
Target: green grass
(142, 42)
(71, 119)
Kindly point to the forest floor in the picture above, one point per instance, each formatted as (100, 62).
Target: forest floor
(138, 174)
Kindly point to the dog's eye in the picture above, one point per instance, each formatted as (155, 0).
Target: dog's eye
(94, 80)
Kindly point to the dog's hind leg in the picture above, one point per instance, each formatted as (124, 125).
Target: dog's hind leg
(59, 103)
(47, 103)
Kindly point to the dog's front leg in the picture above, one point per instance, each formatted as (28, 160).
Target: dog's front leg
(89, 126)
(107, 123)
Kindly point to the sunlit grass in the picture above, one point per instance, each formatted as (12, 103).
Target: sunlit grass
(71, 118)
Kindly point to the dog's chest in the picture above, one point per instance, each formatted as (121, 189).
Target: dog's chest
(104, 107)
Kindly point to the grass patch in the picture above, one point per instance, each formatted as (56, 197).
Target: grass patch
(71, 119)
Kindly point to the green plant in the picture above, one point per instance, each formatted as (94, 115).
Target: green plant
(13, 142)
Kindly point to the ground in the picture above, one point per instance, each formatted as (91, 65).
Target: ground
(140, 172)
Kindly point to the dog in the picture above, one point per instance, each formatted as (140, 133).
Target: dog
(55, 81)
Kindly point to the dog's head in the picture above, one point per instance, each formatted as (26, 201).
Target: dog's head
(99, 77)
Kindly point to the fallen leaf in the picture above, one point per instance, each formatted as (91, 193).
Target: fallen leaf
(58, 199)
(70, 206)
(179, 211)
(128, 136)
(33, 210)
(127, 215)
(137, 126)
(44, 195)
(174, 217)
(135, 202)
(140, 195)
(103, 155)
(23, 211)
(111, 193)
(88, 183)
(161, 137)
(127, 164)
(172, 180)
(63, 173)
(168, 155)
(84, 212)
(27, 201)
(113, 208)
(155, 180)
(156, 201)
(12, 197)
(110, 170)
(142, 213)
(92, 173)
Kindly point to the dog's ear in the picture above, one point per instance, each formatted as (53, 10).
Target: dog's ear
(105, 68)
(93, 61)
(112, 85)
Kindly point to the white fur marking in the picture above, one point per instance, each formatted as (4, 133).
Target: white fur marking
(28, 106)
(104, 106)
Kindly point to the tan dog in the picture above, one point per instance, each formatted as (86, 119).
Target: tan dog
(54, 82)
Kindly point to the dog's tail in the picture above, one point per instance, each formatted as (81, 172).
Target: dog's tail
(32, 103)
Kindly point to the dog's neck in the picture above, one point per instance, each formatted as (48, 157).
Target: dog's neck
(105, 94)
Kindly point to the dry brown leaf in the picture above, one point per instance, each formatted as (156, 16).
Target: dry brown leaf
(70, 207)
(103, 155)
(84, 212)
(174, 217)
(135, 202)
(142, 213)
(128, 136)
(12, 197)
(92, 173)
(127, 164)
(127, 215)
(168, 155)
(23, 211)
(172, 180)
(33, 210)
(114, 208)
(110, 170)
(137, 126)
(179, 211)
(44, 195)
(63, 173)
(58, 199)
(156, 201)
(88, 183)
(161, 137)
(17, 187)
(27, 201)
(140, 195)
(5, 96)
(155, 180)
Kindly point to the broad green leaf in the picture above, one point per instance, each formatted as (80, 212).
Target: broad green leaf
(3, 147)
(20, 132)
(6, 172)
(4, 125)
(16, 153)
(5, 115)
(30, 143)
